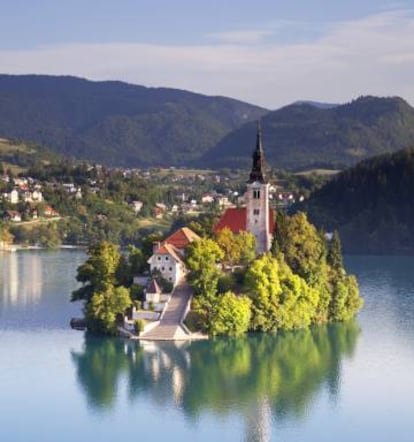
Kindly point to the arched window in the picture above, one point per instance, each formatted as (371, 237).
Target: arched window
(256, 194)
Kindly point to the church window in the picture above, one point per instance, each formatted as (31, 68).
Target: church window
(256, 212)
(256, 194)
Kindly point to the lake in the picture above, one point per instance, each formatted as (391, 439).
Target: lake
(344, 382)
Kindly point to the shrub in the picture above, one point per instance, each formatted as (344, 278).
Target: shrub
(139, 326)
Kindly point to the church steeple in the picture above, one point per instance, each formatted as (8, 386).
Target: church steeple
(257, 172)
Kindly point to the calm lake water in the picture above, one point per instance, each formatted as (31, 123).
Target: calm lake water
(347, 382)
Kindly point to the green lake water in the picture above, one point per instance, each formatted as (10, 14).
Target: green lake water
(344, 382)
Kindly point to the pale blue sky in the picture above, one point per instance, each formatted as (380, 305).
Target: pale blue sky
(269, 52)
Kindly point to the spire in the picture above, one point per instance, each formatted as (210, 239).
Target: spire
(257, 172)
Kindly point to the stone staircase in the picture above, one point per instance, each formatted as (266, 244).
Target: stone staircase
(170, 328)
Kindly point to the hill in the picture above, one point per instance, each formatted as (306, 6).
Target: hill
(116, 123)
(371, 204)
(18, 156)
(304, 136)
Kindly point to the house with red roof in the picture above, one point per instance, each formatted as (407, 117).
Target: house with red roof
(256, 217)
(168, 255)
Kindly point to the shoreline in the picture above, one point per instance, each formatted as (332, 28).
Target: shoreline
(12, 248)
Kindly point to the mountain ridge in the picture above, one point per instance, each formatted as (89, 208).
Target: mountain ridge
(121, 124)
(302, 136)
(114, 122)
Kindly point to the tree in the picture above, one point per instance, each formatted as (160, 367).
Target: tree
(98, 271)
(247, 244)
(105, 298)
(237, 248)
(334, 256)
(136, 260)
(346, 301)
(203, 257)
(104, 307)
(280, 233)
(280, 299)
(225, 238)
(303, 248)
(232, 315)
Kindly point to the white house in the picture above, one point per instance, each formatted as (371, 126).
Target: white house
(223, 201)
(136, 206)
(169, 262)
(37, 196)
(168, 256)
(207, 199)
(13, 196)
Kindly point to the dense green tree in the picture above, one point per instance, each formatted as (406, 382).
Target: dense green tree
(232, 315)
(203, 257)
(280, 299)
(280, 233)
(104, 307)
(304, 249)
(226, 241)
(334, 256)
(136, 260)
(346, 301)
(98, 271)
(246, 242)
(104, 276)
(238, 249)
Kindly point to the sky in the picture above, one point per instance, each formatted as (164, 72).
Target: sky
(266, 52)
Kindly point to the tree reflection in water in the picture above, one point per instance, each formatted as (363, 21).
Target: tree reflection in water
(260, 376)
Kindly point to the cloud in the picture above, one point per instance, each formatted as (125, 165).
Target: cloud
(242, 37)
(372, 55)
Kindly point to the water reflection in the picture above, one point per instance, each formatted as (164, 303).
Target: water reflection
(35, 286)
(261, 377)
(21, 278)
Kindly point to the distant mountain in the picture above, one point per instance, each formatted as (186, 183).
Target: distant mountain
(317, 104)
(371, 204)
(302, 136)
(117, 123)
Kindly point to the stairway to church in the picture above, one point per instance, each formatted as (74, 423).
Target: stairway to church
(170, 328)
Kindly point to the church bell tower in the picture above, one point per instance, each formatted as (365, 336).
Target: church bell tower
(257, 208)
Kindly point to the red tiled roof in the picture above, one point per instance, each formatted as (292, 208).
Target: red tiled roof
(181, 238)
(235, 219)
(169, 249)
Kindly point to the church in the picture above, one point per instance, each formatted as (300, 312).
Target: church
(256, 218)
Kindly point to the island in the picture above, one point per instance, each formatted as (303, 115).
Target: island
(254, 270)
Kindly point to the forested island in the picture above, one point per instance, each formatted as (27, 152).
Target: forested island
(300, 282)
